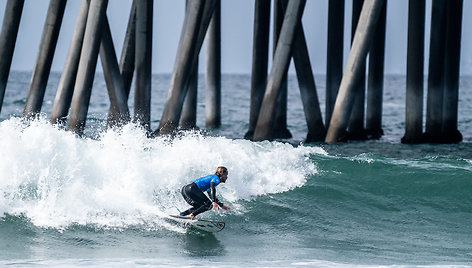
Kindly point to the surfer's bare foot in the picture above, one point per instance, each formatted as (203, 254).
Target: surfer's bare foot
(191, 216)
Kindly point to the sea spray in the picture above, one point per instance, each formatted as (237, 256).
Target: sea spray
(122, 178)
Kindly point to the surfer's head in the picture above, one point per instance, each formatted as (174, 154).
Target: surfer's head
(222, 173)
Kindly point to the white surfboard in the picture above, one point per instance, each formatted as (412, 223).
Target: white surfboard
(204, 225)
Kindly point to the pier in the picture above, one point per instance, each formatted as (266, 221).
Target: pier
(354, 90)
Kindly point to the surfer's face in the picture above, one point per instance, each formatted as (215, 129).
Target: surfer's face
(224, 177)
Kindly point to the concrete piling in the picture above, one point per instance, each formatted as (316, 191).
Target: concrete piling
(435, 97)
(64, 92)
(37, 89)
(346, 104)
(127, 60)
(443, 76)
(143, 63)
(119, 112)
(11, 23)
(360, 46)
(414, 73)
(87, 66)
(299, 52)
(126, 67)
(376, 78)
(182, 67)
(334, 54)
(196, 22)
(188, 117)
(280, 130)
(450, 133)
(260, 57)
(356, 130)
(306, 82)
(267, 117)
(213, 70)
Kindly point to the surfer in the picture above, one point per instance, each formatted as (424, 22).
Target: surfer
(193, 193)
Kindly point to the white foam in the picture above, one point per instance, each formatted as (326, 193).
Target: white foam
(123, 178)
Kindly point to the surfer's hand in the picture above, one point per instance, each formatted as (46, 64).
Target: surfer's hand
(226, 207)
(215, 206)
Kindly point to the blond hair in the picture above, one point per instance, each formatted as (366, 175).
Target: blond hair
(220, 171)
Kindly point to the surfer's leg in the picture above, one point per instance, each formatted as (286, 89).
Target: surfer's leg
(196, 198)
(187, 194)
(204, 207)
(203, 203)
(188, 211)
(197, 209)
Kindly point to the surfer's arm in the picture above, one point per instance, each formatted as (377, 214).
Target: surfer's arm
(212, 194)
(216, 205)
(218, 202)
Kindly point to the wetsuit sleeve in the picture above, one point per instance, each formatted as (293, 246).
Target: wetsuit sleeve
(219, 202)
(212, 194)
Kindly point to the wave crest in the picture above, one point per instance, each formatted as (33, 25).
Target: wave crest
(124, 178)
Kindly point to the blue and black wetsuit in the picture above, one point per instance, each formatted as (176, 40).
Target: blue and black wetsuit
(193, 194)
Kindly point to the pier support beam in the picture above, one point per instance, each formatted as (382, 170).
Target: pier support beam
(450, 132)
(280, 130)
(360, 47)
(196, 23)
(119, 111)
(213, 70)
(143, 63)
(443, 78)
(188, 117)
(356, 130)
(127, 62)
(128, 53)
(266, 122)
(87, 66)
(306, 82)
(63, 98)
(435, 98)
(334, 63)
(42, 68)
(260, 57)
(376, 79)
(11, 23)
(414, 73)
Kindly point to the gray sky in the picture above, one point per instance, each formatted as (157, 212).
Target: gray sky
(237, 28)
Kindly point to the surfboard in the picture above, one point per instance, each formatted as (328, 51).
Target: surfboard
(200, 224)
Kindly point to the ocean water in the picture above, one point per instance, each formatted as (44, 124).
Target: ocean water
(102, 201)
